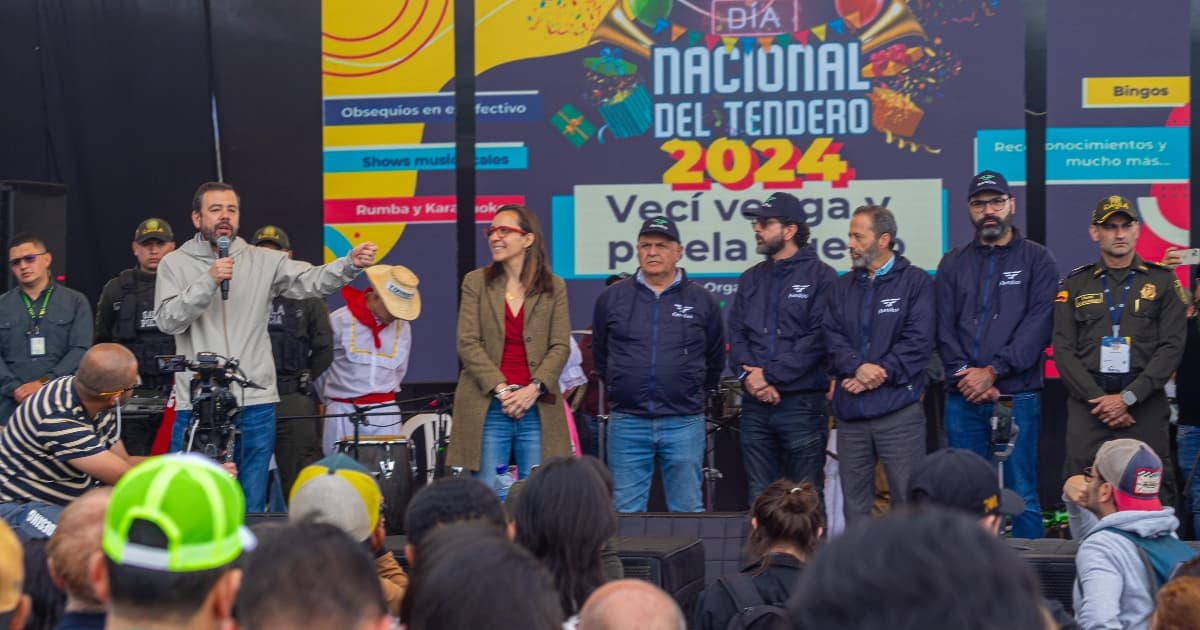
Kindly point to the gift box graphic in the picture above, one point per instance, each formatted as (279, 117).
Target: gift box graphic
(574, 127)
(629, 113)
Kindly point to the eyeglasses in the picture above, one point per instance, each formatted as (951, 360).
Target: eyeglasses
(765, 222)
(502, 230)
(995, 202)
(27, 258)
(1090, 473)
(118, 392)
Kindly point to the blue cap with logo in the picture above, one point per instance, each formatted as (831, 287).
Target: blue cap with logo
(661, 226)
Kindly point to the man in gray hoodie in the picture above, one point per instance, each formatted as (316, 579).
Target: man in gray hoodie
(1118, 493)
(190, 304)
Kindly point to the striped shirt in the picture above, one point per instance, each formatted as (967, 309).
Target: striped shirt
(44, 434)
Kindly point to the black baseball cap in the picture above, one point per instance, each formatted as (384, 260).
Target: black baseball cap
(1111, 205)
(662, 227)
(782, 205)
(988, 180)
(960, 479)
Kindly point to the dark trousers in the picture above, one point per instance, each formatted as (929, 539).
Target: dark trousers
(896, 439)
(1085, 434)
(784, 441)
(138, 430)
(297, 442)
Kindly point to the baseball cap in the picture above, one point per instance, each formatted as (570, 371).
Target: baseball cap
(780, 204)
(339, 491)
(662, 227)
(271, 234)
(1135, 472)
(961, 479)
(198, 506)
(153, 228)
(1111, 205)
(987, 180)
(12, 569)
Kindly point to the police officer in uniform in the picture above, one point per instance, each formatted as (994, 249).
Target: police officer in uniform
(302, 344)
(1119, 331)
(125, 315)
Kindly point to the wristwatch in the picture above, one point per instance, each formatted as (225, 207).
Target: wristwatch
(1129, 398)
(541, 387)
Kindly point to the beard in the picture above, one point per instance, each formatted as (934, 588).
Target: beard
(210, 233)
(994, 230)
(868, 256)
(770, 247)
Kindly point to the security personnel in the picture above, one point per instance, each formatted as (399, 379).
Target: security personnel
(302, 344)
(1119, 331)
(125, 315)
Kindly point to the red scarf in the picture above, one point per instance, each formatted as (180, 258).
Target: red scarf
(356, 301)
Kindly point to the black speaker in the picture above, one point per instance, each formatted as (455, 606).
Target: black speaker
(674, 564)
(39, 208)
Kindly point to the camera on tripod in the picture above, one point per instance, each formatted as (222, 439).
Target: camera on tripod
(211, 431)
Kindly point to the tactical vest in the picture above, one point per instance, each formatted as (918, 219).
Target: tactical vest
(136, 330)
(289, 339)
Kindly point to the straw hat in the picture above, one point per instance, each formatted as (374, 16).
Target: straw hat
(397, 287)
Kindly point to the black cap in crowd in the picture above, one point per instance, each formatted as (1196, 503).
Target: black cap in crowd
(985, 181)
(961, 479)
(662, 227)
(271, 234)
(152, 229)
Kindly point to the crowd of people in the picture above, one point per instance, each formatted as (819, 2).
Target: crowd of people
(85, 400)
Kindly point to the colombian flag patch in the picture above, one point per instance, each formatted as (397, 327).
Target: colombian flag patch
(1061, 297)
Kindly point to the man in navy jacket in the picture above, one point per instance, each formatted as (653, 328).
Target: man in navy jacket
(658, 345)
(880, 331)
(995, 313)
(777, 348)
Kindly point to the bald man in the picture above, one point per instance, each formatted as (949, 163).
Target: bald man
(63, 439)
(630, 603)
(74, 542)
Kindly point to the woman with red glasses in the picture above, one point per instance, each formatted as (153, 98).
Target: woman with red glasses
(513, 340)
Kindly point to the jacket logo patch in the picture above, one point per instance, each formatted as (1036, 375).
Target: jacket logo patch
(683, 311)
(147, 320)
(888, 305)
(1084, 299)
(798, 291)
(1010, 278)
(1061, 297)
(276, 316)
(1149, 291)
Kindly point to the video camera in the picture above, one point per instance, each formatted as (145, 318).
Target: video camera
(211, 431)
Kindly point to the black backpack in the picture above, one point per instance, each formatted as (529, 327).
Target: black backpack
(753, 613)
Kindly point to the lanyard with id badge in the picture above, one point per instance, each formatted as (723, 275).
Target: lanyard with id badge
(1114, 350)
(37, 341)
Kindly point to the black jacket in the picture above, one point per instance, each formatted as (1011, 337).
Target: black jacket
(775, 582)
(658, 353)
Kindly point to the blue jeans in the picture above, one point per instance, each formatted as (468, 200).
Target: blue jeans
(252, 450)
(784, 441)
(503, 437)
(968, 426)
(31, 520)
(678, 442)
(1188, 443)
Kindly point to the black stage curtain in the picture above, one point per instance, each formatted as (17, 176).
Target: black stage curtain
(114, 99)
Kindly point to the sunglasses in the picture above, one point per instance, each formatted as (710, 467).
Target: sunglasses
(119, 391)
(27, 258)
(502, 230)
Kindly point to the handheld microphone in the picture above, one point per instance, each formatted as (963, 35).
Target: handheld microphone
(223, 252)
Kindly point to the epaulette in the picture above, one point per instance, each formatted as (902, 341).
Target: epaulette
(1156, 265)
(1081, 269)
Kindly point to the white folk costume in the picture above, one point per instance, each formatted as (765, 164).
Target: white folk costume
(369, 362)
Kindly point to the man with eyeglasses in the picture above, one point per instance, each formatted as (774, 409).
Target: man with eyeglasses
(777, 348)
(44, 327)
(1119, 332)
(658, 346)
(65, 438)
(995, 298)
(125, 314)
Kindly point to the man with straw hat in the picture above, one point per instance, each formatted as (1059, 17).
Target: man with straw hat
(371, 343)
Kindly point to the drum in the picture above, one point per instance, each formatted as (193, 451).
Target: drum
(389, 458)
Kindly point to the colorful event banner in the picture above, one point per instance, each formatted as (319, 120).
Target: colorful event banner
(1117, 119)
(599, 114)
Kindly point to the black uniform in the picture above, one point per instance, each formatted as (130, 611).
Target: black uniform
(125, 315)
(1154, 319)
(302, 344)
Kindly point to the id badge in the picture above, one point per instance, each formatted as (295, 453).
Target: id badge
(1114, 355)
(37, 345)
